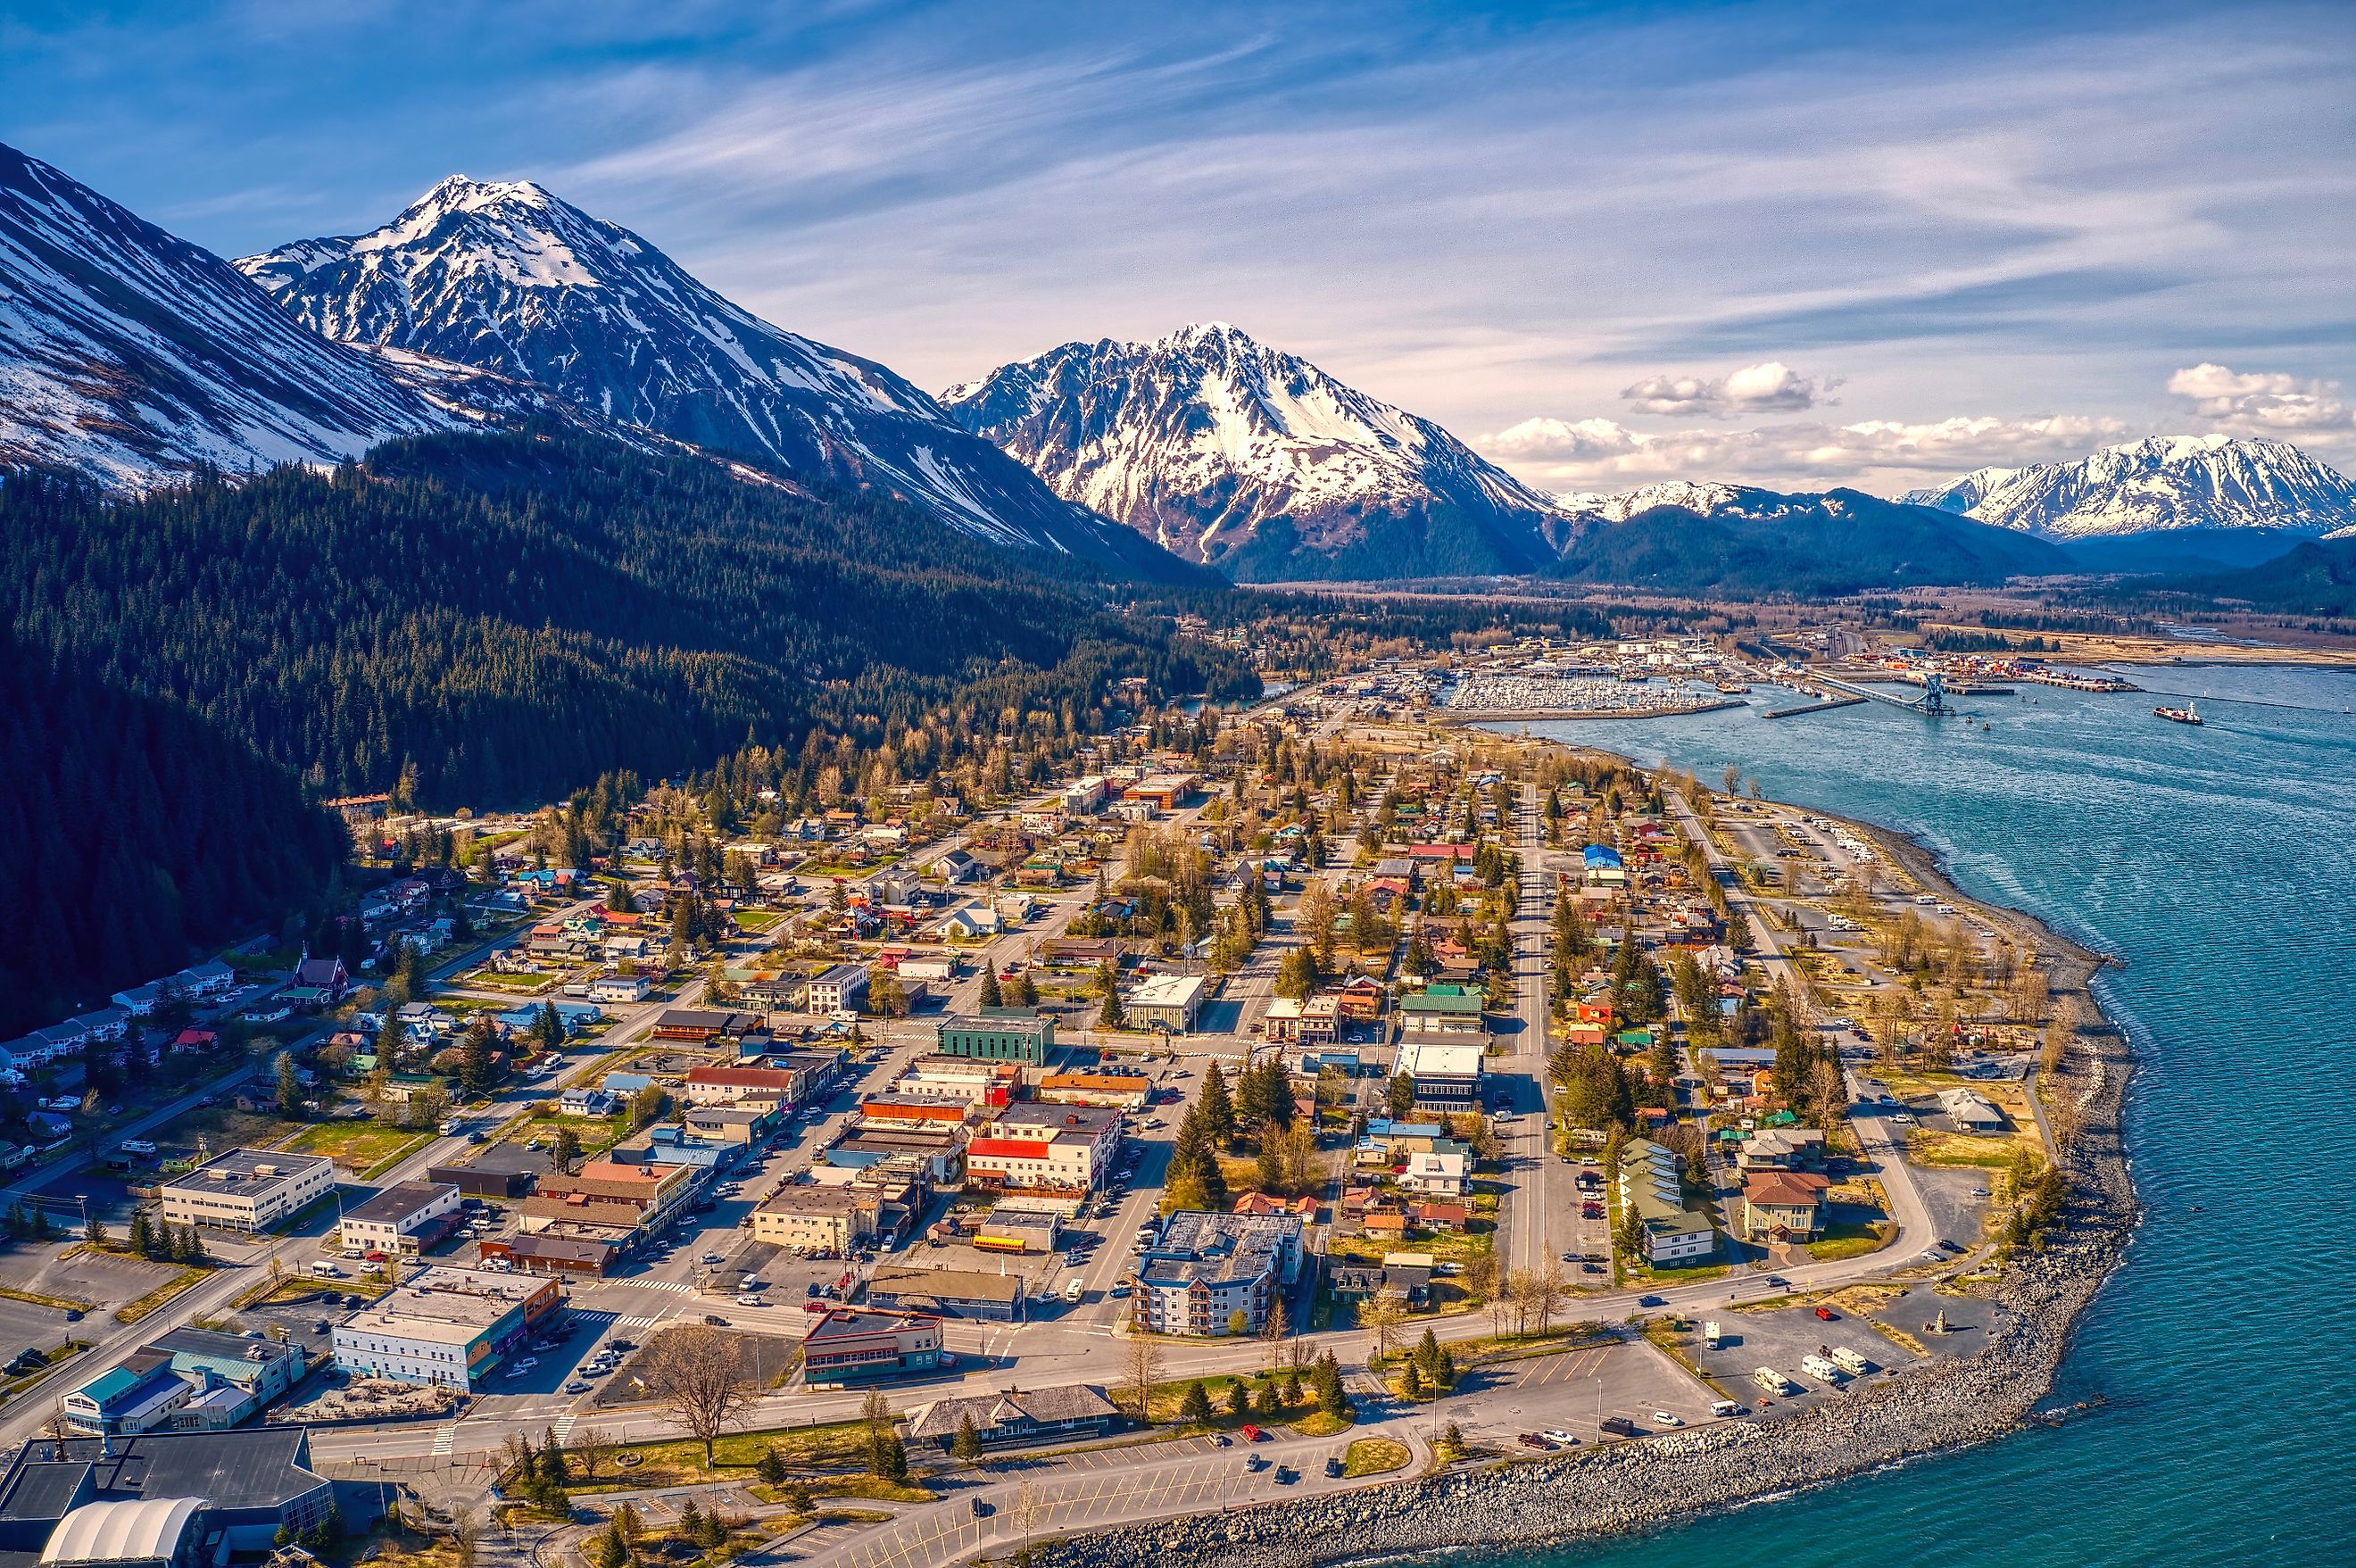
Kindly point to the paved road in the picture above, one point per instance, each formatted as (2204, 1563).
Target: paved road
(1880, 1141)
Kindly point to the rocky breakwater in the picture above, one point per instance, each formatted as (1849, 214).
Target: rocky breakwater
(1620, 1487)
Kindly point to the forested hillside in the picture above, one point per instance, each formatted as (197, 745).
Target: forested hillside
(1844, 542)
(497, 620)
(2317, 578)
(132, 837)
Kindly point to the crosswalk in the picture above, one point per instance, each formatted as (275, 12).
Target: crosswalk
(445, 1439)
(678, 1287)
(564, 1427)
(635, 1322)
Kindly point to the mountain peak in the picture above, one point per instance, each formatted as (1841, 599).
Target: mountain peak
(2155, 484)
(463, 193)
(1241, 454)
(508, 278)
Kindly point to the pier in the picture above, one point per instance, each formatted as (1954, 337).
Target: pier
(1932, 704)
(1825, 707)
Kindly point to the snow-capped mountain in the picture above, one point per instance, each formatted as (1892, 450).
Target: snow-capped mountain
(1703, 498)
(2165, 482)
(1252, 460)
(509, 277)
(130, 356)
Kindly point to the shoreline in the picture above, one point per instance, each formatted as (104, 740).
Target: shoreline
(1658, 1482)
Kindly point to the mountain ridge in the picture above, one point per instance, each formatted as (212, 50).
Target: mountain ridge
(510, 277)
(131, 356)
(2159, 484)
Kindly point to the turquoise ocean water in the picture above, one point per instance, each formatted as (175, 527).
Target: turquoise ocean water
(2221, 864)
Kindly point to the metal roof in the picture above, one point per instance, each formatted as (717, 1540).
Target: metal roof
(122, 1532)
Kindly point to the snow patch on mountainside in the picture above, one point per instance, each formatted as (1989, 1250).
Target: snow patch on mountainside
(2165, 482)
(131, 356)
(1703, 496)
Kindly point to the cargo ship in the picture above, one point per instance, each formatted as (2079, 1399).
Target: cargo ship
(2187, 715)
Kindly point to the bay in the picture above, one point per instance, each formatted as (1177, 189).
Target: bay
(2219, 863)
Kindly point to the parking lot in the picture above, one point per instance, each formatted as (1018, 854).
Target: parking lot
(1575, 1391)
(1781, 1338)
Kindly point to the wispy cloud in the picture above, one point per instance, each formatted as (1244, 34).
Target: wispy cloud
(1719, 212)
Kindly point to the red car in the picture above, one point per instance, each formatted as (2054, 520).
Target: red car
(1254, 1435)
(1828, 1315)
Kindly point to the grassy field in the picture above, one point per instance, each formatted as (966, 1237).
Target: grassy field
(363, 1148)
(681, 1462)
(1925, 1147)
(759, 919)
(1374, 1456)
(1853, 1241)
(222, 1126)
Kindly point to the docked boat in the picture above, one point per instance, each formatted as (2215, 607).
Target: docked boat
(1733, 688)
(2187, 715)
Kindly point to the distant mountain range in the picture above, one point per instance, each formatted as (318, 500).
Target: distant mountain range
(2163, 484)
(1254, 460)
(132, 357)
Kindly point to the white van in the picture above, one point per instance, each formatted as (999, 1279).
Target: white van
(326, 1271)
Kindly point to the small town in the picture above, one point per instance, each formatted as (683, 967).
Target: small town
(1251, 1105)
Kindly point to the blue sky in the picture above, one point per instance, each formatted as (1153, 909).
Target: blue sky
(1865, 244)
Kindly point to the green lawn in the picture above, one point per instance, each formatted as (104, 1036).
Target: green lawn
(1851, 1240)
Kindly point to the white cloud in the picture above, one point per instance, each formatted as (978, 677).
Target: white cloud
(1772, 387)
(2261, 403)
(1597, 453)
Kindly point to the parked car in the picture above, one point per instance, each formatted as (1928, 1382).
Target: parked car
(1828, 1315)
(1333, 1466)
(1557, 1434)
(715, 1320)
(1254, 1435)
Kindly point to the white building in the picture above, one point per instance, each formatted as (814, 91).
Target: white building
(248, 1189)
(620, 988)
(402, 1218)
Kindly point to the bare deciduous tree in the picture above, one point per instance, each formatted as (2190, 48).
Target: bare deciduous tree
(1144, 1359)
(593, 1446)
(1547, 1295)
(465, 1535)
(1384, 1312)
(696, 1374)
